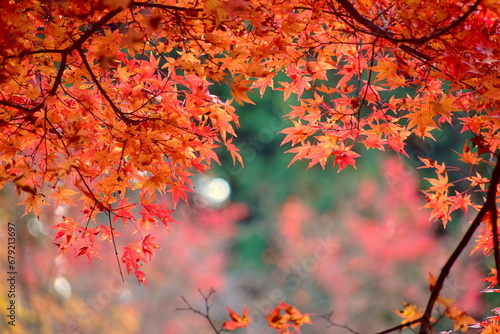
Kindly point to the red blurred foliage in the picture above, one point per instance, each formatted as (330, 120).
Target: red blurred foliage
(370, 253)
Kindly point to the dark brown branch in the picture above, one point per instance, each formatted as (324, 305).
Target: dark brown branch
(99, 204)
(114, 244)
(400, 327)
(15, 105)
(492, 208)
(95, 27)
(34, 52)
(162, 6)
(488, 205)
(377, 30)
(55, 86)
(328, 318)
(101, 89)
(205, 314)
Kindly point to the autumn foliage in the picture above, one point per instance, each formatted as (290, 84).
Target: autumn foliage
(106, 105)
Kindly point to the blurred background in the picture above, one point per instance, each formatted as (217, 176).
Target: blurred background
(356, 243)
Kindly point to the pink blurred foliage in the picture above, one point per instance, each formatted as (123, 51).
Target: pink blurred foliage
(193, 257)
(381, 247)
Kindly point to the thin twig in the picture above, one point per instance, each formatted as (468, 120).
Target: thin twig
(400, 327)
(328, 318)
(206, 313)
(114, 245)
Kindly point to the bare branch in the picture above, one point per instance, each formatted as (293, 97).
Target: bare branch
(114, 244)
(328, 318)
(206, 313)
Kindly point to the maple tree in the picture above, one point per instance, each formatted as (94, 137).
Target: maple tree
(107, 105)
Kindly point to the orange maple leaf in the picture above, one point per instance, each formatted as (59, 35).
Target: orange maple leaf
(440, 184)
(410, 313)
(290, 318)
(239, 90)
(461, 318)
(237, 321)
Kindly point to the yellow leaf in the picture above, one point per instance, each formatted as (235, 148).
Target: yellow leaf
(409, 314)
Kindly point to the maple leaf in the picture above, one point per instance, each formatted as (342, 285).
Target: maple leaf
(484, 241)
(489, 327)
(493, 6)
(152, 210)
(422, 121)
(444, 107)
(33, 203)
(106, 233)
(233, 150)
(409, 314)
(492, 278)
(89, 251)
(284, 316)
(278, 320)
(237, 321)
(345, 158)
(148, 246)
(141, 277)
(239, 90)
(460, 201)
(386, 70)
(478, 180)
(440, 184)
(430, 163)
(123, 210)
(63, 194)
(68, 231)
(178, 191)
(296, 316)
(460, 318)
(132, 254)
(148, 222)
(468, 156)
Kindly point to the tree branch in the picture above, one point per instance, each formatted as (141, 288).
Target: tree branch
(377, 30)
(400, 327)
(492, 208)
(114, 244)
(15, 105)
(103, 92)
(328, 318)
(162, 6)
(487, 206)
(205, 314)
(96, 26)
